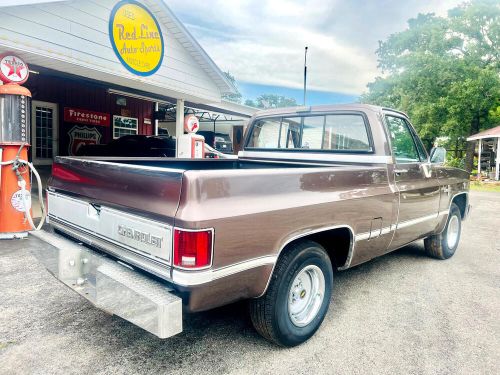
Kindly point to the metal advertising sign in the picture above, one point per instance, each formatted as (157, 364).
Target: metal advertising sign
(136, 37)
(191, 124)
(82, 135)
(13, 69)
(83, 116)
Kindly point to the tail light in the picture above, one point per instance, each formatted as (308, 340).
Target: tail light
(193, 249)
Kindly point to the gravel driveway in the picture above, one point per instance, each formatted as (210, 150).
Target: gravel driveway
(401, 313)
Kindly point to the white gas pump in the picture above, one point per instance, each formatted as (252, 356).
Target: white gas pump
(191, 145)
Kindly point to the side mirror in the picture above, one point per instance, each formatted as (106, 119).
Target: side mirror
(438, 155)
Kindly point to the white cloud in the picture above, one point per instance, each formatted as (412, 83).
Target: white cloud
(263, 42)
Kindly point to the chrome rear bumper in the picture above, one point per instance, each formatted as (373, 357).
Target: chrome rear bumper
(111, 286)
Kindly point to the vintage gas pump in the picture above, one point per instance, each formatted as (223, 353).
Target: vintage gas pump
(191, 145)
(15, 170)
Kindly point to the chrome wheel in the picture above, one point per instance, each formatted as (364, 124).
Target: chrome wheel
(306, 295)
(453, 232)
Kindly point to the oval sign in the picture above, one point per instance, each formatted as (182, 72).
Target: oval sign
(191, 124)
(136, 37)
(13, 69)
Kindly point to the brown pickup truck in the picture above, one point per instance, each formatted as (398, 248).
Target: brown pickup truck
(315, 189)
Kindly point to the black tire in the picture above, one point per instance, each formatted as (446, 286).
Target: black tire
(437, 246)
(270, 313)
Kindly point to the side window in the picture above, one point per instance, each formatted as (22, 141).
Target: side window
(403, 145)
(420, 146)
(265, 134)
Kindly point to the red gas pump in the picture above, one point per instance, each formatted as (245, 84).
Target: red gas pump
(15, 170)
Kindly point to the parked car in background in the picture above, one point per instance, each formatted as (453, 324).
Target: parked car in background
(142, 146)
(133, 146)
(220, 141)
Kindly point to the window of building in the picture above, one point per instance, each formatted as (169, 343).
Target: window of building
(124, 126)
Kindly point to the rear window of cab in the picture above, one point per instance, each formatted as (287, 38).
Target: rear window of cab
(329, 132)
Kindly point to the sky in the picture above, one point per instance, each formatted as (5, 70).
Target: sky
(262, 42)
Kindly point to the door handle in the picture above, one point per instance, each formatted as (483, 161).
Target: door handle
(399, 172)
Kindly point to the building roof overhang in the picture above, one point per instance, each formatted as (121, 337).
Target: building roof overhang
(489, 133)
(181, 33)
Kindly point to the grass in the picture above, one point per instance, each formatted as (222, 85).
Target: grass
(481, 186)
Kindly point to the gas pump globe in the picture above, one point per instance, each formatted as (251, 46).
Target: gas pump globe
(191, 145)
(15, 170)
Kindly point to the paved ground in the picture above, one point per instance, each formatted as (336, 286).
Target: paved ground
(402, 313)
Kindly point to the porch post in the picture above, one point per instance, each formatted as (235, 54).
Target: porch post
(179, 123)
(157, 107)
(479, 159)
(497, 169)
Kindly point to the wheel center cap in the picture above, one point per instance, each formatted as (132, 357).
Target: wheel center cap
(302, 294)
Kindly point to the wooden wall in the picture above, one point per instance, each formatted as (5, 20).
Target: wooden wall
(79, 94)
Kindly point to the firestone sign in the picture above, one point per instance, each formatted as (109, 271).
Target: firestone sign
(136, 37)
(83, 116)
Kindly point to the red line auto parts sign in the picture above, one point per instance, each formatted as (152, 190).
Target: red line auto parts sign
(136, 37)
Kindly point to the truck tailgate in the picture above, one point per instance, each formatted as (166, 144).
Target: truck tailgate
(152, 191)
(124, 209)
(145, 237)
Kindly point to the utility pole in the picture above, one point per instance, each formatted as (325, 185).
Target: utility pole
(305, 74)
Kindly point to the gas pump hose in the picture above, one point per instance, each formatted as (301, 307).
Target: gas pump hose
(16, 164)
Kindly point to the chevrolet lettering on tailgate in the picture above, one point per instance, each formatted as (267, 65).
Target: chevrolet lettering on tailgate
(139, 236)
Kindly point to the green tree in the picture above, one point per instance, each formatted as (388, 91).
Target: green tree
(271, 101)
(236, 97)
(250, 103)
(444, 72)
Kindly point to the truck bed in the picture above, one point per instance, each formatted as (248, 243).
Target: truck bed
(90, 197)
(152, 186)
(203, 164)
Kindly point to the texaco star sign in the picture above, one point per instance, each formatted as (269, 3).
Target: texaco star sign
(13, 69)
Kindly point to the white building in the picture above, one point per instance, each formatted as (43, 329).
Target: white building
(123, 59)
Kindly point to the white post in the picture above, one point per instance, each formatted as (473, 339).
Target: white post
(157, 107)
(497, 169)
(179, 123)
(479, 159)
